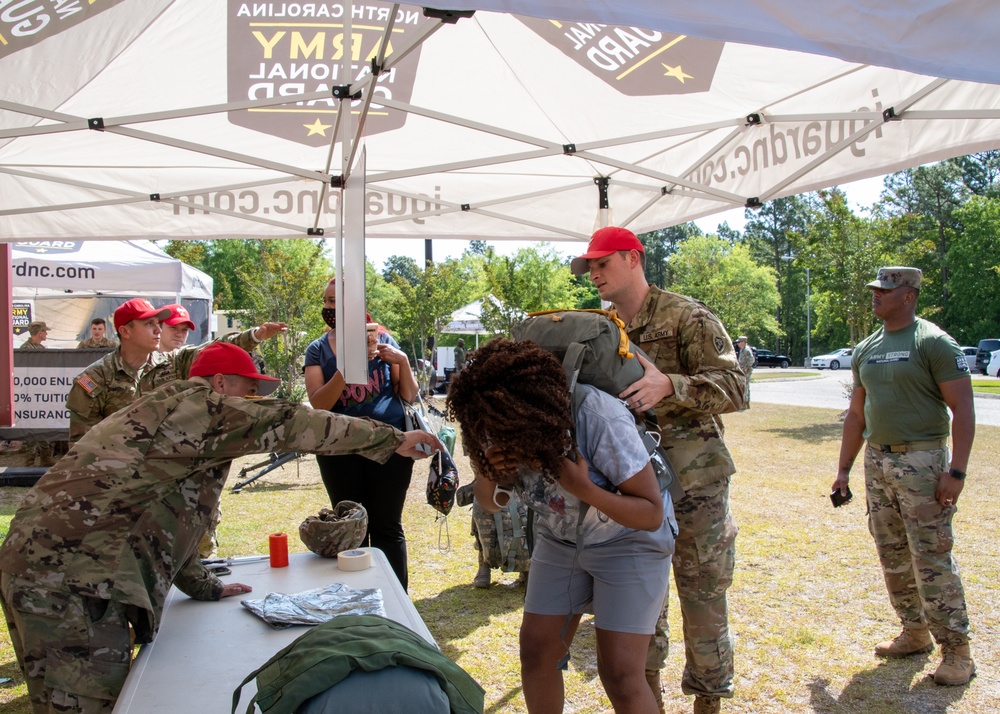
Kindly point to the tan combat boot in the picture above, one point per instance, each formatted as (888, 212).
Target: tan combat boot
(482, 579)
(653, 680)
(906, 643)
(957, 666)
(707, 705)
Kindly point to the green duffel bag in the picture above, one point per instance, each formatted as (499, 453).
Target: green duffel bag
(595, 349)
(592, 345)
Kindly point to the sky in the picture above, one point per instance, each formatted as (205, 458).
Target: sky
(860, 194)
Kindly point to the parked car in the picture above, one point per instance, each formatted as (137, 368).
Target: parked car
(835, 360)
(767, 358)
(983, 352)
(993, 366)
(970, 357)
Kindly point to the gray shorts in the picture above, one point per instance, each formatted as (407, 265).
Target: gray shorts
(622, 582)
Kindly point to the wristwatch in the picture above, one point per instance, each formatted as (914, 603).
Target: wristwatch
(956, 474)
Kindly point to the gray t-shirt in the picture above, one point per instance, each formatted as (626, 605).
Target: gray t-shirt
(607, 438)
(900, 372)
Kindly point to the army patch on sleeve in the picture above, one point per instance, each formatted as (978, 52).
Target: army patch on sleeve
(87, 384)
(960, 362)
(720, 344)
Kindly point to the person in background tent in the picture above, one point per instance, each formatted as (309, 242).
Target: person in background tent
(460, 355)
(38, 332)
(98, 336)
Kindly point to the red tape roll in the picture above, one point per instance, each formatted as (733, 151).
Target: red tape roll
(278, 543)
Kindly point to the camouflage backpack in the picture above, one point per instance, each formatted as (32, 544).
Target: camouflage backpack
(504, 537)
(595, 349)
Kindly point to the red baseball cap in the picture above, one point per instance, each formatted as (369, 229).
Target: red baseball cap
(606, 241)
(227, 358)
(138, 309)
(178, 316)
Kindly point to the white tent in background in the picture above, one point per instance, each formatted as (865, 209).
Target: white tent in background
(67, 283)
(466, 321)
(216, 118)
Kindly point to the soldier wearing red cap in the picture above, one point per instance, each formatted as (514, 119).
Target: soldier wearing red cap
(692, 379)
(136, 367)
(98, 542)
(174, 330)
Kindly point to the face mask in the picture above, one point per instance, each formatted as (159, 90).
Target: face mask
(330, 317)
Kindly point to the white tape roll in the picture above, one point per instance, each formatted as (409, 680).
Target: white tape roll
(354, 560)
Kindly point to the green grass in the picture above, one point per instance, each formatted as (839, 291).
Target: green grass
(986, 386)
(807, 603)
(759, 375)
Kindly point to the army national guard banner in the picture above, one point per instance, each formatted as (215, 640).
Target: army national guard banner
(523, 120)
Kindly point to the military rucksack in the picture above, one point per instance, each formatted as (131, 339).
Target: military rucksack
(505, 536)
(595, 349)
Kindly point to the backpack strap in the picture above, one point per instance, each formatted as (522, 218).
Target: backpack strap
(498, 524)
(518, 538)
(572, 364)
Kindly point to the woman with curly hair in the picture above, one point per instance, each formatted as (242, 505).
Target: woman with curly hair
(611, 557)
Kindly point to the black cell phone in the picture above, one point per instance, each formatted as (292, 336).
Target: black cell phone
(839, 500)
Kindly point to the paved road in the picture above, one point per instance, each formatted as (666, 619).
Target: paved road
(828, 391)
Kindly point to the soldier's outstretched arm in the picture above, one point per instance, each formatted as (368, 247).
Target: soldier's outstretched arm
(419, 444)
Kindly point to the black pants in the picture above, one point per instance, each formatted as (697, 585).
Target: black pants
(381, 489)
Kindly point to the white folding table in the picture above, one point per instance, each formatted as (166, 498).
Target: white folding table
(204, 649)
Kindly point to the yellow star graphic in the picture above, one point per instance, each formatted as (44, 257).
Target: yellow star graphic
(676, 72)
(318, 128)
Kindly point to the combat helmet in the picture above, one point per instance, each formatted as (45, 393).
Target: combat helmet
(336, 530)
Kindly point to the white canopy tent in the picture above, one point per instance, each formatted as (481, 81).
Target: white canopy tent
(466, 320)
(215, 118)
(67, 283)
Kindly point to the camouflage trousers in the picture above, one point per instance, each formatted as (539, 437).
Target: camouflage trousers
(704, 557)
(74, 651)
(914, 538)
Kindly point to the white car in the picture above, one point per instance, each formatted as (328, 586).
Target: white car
(835, 360)
(993, 368)
(970, 357)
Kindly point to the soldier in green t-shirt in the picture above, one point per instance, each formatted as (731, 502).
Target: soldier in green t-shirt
(907, 375)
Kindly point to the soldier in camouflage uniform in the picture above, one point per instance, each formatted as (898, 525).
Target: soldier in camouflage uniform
(100, 539)
(746, 360)
(98, 337)
(692, 379)
(38, 452)
(120, 377)
(38, 331)
(907, 375)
